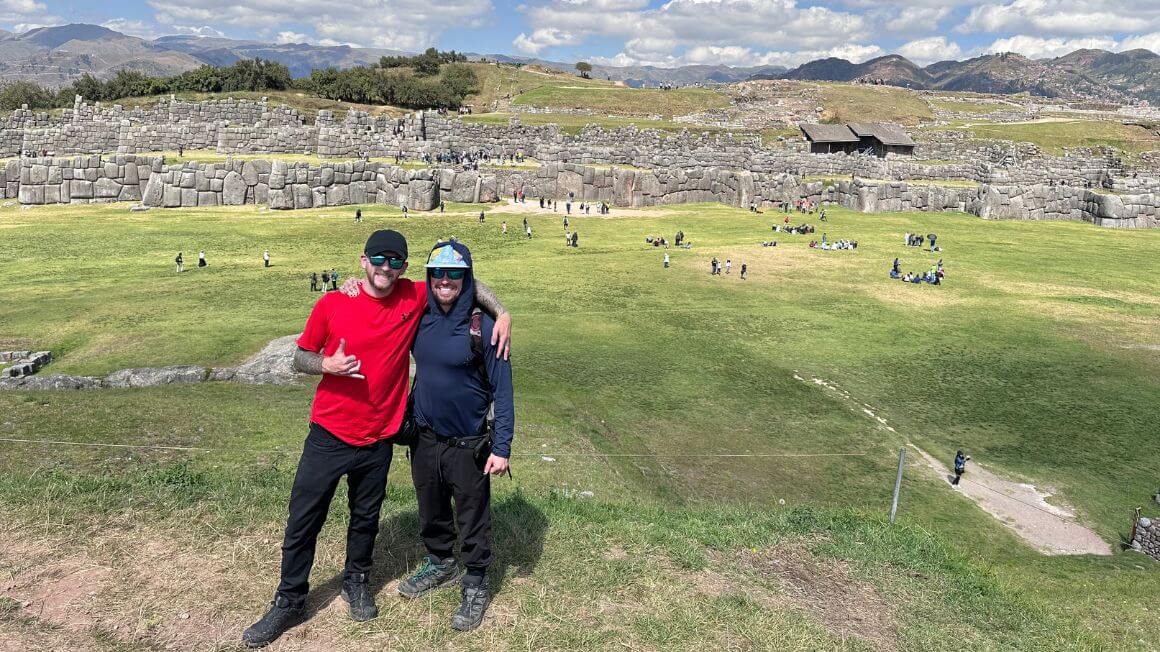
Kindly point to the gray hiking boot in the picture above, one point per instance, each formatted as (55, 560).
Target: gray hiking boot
(357, 594)
(429, 577)
(476, 597)
(281, 616)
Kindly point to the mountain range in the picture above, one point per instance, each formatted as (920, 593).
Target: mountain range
(1096, 75)
(53, 56)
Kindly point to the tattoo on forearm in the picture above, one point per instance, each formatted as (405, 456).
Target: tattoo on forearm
(487, 300)
(308, 362)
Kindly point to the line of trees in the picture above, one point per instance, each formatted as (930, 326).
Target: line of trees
(433, 79)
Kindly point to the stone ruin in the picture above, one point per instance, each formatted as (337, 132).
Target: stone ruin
(21, 364)
(1147, 536)
(1006, 180)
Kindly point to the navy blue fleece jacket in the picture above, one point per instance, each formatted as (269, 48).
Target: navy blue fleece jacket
(451, 395)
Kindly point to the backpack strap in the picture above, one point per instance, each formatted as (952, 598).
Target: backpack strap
(477, 357)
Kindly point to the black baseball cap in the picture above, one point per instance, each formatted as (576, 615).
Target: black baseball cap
(384, 241)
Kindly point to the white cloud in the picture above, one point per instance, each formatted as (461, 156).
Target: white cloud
(915, 19)
(1145, 41)
(20, 28)
(731, 55)
(403, 24)
(291, 37)
(1064, 17)
(541, 39)
(760, 24)
(1035, 47)
(138, 28)
(19, 11)
(926, 51)
(204, 30)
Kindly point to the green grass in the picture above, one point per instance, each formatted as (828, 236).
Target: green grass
(624, 101)
(1021, 358)
(506, 81)
(573, 124)
(978, 108)
(862, 103)
(1053, 137)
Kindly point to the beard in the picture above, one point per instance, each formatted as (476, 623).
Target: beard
(380, 281)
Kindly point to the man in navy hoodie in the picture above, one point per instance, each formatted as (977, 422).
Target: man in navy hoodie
(458, 381)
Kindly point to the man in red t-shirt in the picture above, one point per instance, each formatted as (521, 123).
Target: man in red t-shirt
(361, 346)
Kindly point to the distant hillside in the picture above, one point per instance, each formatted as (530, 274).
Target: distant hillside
(1083, 74)
(300, 58)
(54, 56)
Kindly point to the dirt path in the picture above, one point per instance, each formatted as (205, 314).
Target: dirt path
(1051, 529)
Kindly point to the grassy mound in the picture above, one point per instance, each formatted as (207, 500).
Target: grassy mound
(624, 101)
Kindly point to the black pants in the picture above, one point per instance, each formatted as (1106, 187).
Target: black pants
(325, 459)
(958, 476)
(443, 472)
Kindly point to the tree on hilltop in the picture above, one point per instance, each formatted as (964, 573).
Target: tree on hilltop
(585, 68)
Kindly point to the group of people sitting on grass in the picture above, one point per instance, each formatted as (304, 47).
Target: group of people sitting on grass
(799, 229)
(833, 246)
(916, 240)
(771, 243)
(657, 241)
(934, 275)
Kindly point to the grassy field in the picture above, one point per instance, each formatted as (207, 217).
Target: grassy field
(505, 81)
(624, 101)
(573, 124)
(862, 103)
(1053, 137)
(1039, 355)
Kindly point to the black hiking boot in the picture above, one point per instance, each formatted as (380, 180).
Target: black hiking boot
(429, 577)
(476, 597)
(281, 616)
(357, 594)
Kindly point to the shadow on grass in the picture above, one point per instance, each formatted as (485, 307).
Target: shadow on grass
(518, 530)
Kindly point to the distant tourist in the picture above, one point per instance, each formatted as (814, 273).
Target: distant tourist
(180, 263)
(528, 228)
(482, 217)
(333, 279)
(960, 467)
(728, 265)
(313, 281)
(442, 205)
(325, 280)
(201, 259)
(266, 258)
(744, 271)
(666, 260)
(404, 207)
(358, 216)
(503, 227)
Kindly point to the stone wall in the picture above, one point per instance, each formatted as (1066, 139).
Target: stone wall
(291, 185)
(1147, 539)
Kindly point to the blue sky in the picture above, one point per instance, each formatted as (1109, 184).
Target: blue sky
(642, 32)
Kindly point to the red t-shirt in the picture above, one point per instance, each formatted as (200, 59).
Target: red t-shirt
(379, 332)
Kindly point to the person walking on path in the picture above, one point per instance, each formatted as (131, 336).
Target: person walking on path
(466, 419)
(442, 205)
(360, 345)
(666, 260)
(266, 258)
(180, 263)
(960, 467)
(201, 259)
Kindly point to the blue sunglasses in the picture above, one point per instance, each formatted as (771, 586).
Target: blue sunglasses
(453, 274)
(394, 262)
